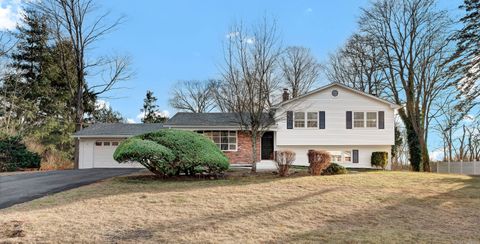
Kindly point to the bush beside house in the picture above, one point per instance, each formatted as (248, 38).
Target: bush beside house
(379, 159)
(172, 152)
(334, 169)
(318, 161)
(14, 155)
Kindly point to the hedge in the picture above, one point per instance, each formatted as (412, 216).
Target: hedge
(334, 169)
(379, 159)
(15, 155)
(174, 152)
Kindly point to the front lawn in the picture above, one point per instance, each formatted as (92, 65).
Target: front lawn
(361, 207)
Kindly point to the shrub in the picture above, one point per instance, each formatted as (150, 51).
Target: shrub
(334, 169)
(379, 159)
(155, 157)
(318, 161)
(14, 155)
(284, 160)
(169, 152)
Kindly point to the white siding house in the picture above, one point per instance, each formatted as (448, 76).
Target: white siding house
(319, 121)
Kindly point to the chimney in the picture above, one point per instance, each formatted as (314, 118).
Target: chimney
(285, 95)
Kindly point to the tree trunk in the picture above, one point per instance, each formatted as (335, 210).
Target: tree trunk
(414, 147)
(425, 155)
(254, 150)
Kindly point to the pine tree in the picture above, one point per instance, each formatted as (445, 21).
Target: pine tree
(468, 55)
(150, 110)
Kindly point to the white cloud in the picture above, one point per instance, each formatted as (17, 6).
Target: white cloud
(308, 10)
(130, 121)
(10, 13)
(101, 104)
(436, 155)
(232, 34)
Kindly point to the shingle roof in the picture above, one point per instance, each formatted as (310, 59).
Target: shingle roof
(206, 119)
(117, 129)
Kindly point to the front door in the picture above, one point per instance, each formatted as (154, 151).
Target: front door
(267, 145)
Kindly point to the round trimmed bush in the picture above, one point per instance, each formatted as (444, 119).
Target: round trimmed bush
(171, 152)
(379, 159)
(193, 152)
(334, 169)
(152, 155)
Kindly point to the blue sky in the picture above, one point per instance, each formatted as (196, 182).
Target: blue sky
(182, 40)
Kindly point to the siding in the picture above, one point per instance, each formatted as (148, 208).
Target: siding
(364, 153)
(335, 109)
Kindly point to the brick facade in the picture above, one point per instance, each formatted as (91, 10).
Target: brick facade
(244, 149)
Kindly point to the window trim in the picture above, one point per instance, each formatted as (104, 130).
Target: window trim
(342, 156)
(305, 120)
(228, 135)
(364, 120)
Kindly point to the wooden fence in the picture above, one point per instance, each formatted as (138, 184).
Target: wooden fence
(465, 168)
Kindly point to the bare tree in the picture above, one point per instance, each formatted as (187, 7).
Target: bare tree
(75, 24)
(413, 37)
(248, 78)
(359, 64)
(300, 70)
(193, 96)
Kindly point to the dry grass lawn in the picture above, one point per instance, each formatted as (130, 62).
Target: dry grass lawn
(372, 207)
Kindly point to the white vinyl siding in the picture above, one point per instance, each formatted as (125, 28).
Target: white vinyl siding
(336, 132)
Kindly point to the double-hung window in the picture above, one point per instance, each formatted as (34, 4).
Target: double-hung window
(364, 119)
(371, 120)
(312, 119)
(299, 119)
(358, 120)
(306, 120)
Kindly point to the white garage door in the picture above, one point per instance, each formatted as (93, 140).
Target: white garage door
(103, 155)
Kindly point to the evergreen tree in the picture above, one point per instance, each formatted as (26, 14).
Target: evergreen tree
(150, 110)
(105, 114)
(468, 55)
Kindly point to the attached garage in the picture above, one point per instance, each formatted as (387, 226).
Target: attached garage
(99, 141)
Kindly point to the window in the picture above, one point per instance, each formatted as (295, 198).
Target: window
(312, 119)
(336, 156)
(358, 120)
(225, 140)
(98, 143)
(347, 156)
(106, 143)
(371, 120)
(299, 119)
(114, 143)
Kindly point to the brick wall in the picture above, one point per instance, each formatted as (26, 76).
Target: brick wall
(244, 149)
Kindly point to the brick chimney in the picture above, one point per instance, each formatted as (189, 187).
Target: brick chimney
(285, 95)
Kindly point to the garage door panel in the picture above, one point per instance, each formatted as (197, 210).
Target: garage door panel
(103, 156)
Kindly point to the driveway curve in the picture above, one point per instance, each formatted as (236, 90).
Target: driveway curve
(19, 188)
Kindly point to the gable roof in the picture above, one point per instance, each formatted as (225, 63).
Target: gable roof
(207, 119)
(392, 105)
(117, 130)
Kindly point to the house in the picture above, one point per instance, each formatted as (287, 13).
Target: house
(348, 123)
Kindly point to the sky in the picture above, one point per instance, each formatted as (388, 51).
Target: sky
(170, 41)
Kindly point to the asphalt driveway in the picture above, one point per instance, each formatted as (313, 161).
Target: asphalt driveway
(20, 188)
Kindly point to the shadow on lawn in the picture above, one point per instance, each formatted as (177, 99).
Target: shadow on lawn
(452, 216)
(193, 224)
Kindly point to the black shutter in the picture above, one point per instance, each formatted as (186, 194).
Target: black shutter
(355, 156)
(381, 120)
(321, 118)
(289, 119)
(349, 119)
